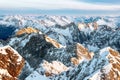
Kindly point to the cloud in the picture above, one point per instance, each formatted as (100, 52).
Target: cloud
(102, 1)
(55, 4)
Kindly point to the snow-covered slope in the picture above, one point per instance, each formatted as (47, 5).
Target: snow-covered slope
(111, 70)
(79, 46)
(105, 36)
(104, 65)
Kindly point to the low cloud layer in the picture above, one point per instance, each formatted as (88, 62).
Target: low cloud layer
(56, 4)
(60, 6)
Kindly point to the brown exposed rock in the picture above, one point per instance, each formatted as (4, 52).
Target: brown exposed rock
(55, 43)
(75, 61)
(11, 63)
(95, 25)
(113, 52)
(48, 74)
(85, 25)
(115, 70)
(27, 30)
(112, 69)
(81, 53)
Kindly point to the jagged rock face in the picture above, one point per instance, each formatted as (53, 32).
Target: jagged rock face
(61, 54)
(34, 54)
(65, 35)
(74, 53)
(105, 36)
(85, 30)
(37, 51)
(110, 70)
(82, 54)
(52, 41)
(27, 30)
(95, 25)
(11, 63)
(103, 66)
(47, 70)
(87, 26)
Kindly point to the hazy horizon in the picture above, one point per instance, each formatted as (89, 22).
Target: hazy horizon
(60, 7)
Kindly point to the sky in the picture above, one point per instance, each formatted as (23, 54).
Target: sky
(55, 7)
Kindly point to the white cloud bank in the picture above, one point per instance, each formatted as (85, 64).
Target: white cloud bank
(55, 4)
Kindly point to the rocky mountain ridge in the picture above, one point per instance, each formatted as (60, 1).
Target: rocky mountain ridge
(76, 44)
(11, 63)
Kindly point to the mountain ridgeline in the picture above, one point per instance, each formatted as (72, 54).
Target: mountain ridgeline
(64, 47)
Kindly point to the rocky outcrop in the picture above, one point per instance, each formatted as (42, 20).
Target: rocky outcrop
(81, 51)
(105, 36)
(30, 30)
(55, 67)
(61, 54)
(37, 51)
(52, 41)
(104, 66)
(33, 48)
(40, 44)
(75, 53)
(27, 30)
(87, 27)
(11, 63)
(65, 35)
(47, 70)
(95, 25)
(112, 69)
(82, 54)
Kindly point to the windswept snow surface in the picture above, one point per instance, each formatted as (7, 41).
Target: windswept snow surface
(36, 76)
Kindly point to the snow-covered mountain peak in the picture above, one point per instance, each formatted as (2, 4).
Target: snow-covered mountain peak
(27, 30)
(112, 69)
(11, 63)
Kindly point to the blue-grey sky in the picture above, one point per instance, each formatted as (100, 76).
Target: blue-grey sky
(93, 7)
